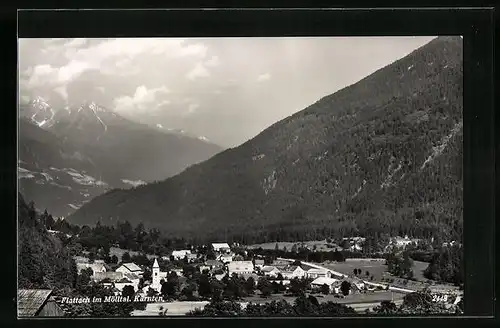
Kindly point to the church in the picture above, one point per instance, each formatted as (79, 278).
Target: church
(157, 276)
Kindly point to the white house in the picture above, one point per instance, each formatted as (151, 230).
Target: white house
(240, 267)
(214, 264)
(330, 282)
(130, 268)
(109, 275)
(318, 273)
(204, 267)
(270, 271)
(221, 247)
(192, 257)
(293, 271)
(225, 258)
(96, 267)
(259, 264)
(280, 262)
(179, 255)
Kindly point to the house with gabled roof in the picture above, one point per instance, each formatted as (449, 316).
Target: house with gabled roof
(37, 303)
(96, 267)
(317, 273)
(240, 267)
(270, 271)
(293, 271)
(221, 247)
(181, 254)
(109, 275)
(333, 284)
(225, 258)
(130, 268)
(259, 263)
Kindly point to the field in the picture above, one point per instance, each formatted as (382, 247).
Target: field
(375, 267)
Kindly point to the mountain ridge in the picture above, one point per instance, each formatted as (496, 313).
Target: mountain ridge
(117, 153)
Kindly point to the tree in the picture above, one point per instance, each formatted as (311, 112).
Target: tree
(446, 265)
(345, 287)
(355, 271)
(345, 244)
(325, 289)
(367, 273)
(128, 291)
(266, 290)
(298, 286)
(400, 265)
(250, 285)
(188, 291)
(91, 257)
(114, 259)
(204, 286)
(126, 257)
(170, 288)
(219, 308)
(386, 308)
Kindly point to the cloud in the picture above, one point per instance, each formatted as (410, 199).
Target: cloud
(72, 70)
(62, 91)
(199, 70)
(39, 74)
(213, 62)
(163, 103)
(142, 97)
(77, 42)
(264, 77)
(193, 107)
(109, 56)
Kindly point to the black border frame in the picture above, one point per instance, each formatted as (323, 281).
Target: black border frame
(475, 24)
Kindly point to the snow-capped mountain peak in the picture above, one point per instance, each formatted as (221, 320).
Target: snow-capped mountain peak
(204, 138)
(40, 103)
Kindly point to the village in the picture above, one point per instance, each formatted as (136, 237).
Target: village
(272, 278)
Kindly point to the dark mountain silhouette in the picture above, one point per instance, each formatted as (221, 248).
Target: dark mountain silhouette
(383, 155)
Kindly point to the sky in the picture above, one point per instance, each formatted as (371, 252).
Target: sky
(225, 89)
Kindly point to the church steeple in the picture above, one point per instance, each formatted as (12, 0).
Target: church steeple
(156, 276)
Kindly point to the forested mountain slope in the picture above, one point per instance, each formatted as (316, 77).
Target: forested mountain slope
(383, 155)
(43, 262)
